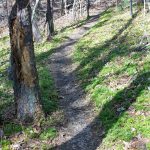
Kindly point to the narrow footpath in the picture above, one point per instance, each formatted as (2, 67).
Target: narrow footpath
(79, 131)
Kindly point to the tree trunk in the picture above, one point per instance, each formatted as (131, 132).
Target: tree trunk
(131, 8)
(49, 19)
(36, 32)
(88, 8)
(66, 7)
(35, 29)
(62, 7)
(25, 78)
(74, 10)
(144, 7)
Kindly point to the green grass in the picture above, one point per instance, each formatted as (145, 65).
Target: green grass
(116, 73)
(5, 144)
(11, 128)
(5, 90)
(111, 68)
(48, 92)
(49, 133)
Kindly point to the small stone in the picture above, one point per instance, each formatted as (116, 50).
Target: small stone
(120, 109)
(133, 129)
(61, 97)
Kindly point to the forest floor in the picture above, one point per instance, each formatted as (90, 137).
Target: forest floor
(95, 86)
(23, 137)
(103, 62)
(114, 64)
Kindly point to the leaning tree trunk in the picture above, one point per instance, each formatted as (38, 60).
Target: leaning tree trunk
(25, 79)
(49, 19)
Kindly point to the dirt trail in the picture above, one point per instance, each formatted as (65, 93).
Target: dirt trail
(78, 131)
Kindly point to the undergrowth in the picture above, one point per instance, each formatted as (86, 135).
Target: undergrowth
(115, 70)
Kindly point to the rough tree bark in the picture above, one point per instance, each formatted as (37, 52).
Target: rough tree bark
(49, 19)
(25, 78)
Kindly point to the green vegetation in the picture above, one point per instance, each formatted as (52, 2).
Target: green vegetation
(112, 67)
(116, 72)
(11, 128)
(5, 144)
(5, 91)
(48, 134)
(48, 91)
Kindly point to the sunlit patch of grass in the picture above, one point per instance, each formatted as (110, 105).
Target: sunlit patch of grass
(48, 92)
(5, 87)
(115, 72)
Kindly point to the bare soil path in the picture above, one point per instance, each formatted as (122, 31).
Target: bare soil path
(78, 131)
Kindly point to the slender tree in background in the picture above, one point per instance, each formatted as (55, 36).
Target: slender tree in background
(139, 4)
(117, 3)
(36, 32)
(65, 7)
(144, 7)
(49, 19)
(62, 7)
(131, 8)
(25, 78)
(35, 29)
(88, 8)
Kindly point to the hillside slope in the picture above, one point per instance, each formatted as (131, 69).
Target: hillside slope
(115, 71)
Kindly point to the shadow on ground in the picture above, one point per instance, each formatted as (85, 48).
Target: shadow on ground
(133, 91)
(96, 51)
(124, 98)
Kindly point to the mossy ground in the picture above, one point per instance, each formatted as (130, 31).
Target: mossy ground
(116, 72)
